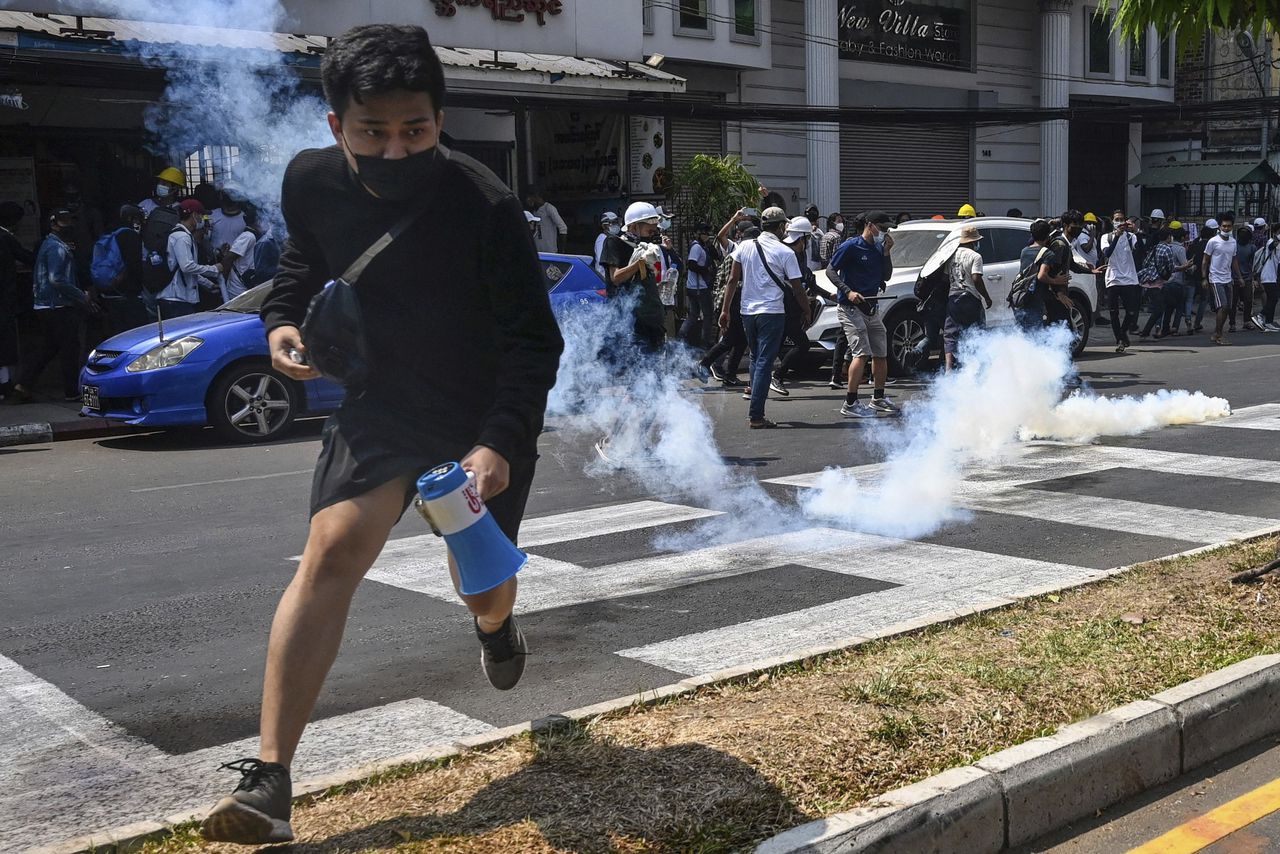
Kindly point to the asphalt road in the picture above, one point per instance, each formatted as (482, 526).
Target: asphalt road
(140, 575)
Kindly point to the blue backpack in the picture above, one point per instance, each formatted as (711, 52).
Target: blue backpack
(107, 265)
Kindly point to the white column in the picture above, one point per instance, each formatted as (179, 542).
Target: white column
(1055, 93)
(822, 89)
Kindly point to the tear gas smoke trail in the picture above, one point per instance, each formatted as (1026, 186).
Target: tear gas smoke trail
(1009, 389)
(660, 437)
(234, 89)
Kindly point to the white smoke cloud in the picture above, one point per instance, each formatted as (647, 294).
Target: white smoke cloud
(660, 435)
(1009, 389)
(227, 87)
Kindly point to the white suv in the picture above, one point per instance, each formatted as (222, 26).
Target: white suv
(1003, 239)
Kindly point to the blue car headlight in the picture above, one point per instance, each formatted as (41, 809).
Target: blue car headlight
(166, 355)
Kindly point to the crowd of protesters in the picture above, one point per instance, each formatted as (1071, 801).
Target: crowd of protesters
(167, 255)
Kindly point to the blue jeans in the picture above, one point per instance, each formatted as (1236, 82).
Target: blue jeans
(764, 338)
(1193, 290)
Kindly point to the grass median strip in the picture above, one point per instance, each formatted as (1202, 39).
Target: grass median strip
(735, 764)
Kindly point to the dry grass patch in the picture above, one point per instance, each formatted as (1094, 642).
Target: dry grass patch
(734, 764)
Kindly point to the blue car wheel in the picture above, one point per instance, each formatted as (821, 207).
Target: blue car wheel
(252, 402)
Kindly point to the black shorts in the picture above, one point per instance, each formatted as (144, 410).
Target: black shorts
(362, 449)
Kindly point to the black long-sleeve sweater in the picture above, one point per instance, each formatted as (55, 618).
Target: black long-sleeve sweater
(462, 339)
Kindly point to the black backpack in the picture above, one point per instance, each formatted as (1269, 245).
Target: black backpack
(1024, 284)
(156, 274)
(936, 284)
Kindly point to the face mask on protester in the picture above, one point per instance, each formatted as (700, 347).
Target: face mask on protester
(395, 180)
(163, 191)
(839, 228)
(1225, 232)
(615, 230)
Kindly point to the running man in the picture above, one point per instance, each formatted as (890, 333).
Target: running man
(463, 350)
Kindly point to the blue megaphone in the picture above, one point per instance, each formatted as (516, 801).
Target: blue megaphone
(448, 500)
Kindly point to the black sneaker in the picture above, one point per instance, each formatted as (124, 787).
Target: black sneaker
(502, 654)
(776, 383)
(257, 812)
(716, 373)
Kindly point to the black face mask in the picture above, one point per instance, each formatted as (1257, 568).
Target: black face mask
(396, 180)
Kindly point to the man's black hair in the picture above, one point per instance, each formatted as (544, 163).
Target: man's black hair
(10, 213)
(1014, 212)
(1071, 217)
(1040, 230)
(1163, 234)
(832, 217)
(375, 59)
(1225, 216)
(130, 213)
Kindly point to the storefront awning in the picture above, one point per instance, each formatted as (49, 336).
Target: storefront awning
(1207, 172)
(126, 41)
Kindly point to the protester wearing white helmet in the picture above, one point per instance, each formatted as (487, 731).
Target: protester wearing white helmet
(766, 269)
(609, 226)
(800, 236)
(631, 261)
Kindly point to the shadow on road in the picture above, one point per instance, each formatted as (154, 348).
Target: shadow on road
(204, 438)
(586, 794)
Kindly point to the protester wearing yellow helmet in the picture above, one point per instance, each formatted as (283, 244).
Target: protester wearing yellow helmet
(1091, 217)
(169, 183)
(966, 211)
(1174, 225)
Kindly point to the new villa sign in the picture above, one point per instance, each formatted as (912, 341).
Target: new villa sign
(939, 34)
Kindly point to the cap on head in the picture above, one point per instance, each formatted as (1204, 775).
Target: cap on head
(879, 218)
(63, 215)
(191, 206)
(1211, 223)
(1157, 214)
(966, 210)
(969, 234)
(641, 212)
(773, 216)
(1260, 222)
(528, 217)
(798, 228)
(173, 175)
(702, 228)
(608, 217)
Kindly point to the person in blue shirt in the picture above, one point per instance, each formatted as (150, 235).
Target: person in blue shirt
(59, 306)
(859, 270)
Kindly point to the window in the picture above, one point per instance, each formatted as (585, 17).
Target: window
(1097, 42)
(1003, 245)
(647, 6)
(1166, 57)
(692, 16)
(744, 18)
(1138, 56)
(211, 164)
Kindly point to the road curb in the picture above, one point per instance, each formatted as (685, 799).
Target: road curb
(1044, 784)
(1237, 697)
(44, 432)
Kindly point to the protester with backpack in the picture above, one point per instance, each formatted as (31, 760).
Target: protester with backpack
(931, 290)
(1160, 267)
(733, 339)
(1175, 288)
(116, 270)
(188, 276)
(169, 184)
(1242, 296)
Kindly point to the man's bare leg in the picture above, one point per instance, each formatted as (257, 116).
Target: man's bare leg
(344, 541)
(856, 369)
(490, 608)
(879, 372)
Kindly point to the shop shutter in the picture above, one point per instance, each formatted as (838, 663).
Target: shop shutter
(921, 170)
(690, 138)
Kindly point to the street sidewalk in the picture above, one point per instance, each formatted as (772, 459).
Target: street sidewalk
(49, 420)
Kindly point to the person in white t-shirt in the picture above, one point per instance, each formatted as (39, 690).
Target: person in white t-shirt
(1268, 278)
(227, 223)
(550, 228)
(236, 262)
(764, 267)
(1221, 270)
(1123, 290)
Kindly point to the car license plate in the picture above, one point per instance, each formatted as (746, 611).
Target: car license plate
(90, 398)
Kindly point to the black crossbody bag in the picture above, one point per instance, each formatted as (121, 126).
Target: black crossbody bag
(789, 303)
(333, 330)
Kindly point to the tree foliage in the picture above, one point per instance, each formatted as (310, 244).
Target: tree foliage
(1193, 18)
(711, 189)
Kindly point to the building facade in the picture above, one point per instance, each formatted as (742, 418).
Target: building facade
(535, 89)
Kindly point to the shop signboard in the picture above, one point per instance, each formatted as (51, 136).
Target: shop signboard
(648, 148)
(931, 33)
(576, 154)
(603, 29)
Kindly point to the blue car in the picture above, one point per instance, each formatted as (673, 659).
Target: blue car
(213, 368)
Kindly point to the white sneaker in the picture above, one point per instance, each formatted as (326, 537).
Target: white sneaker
(1272, 327)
